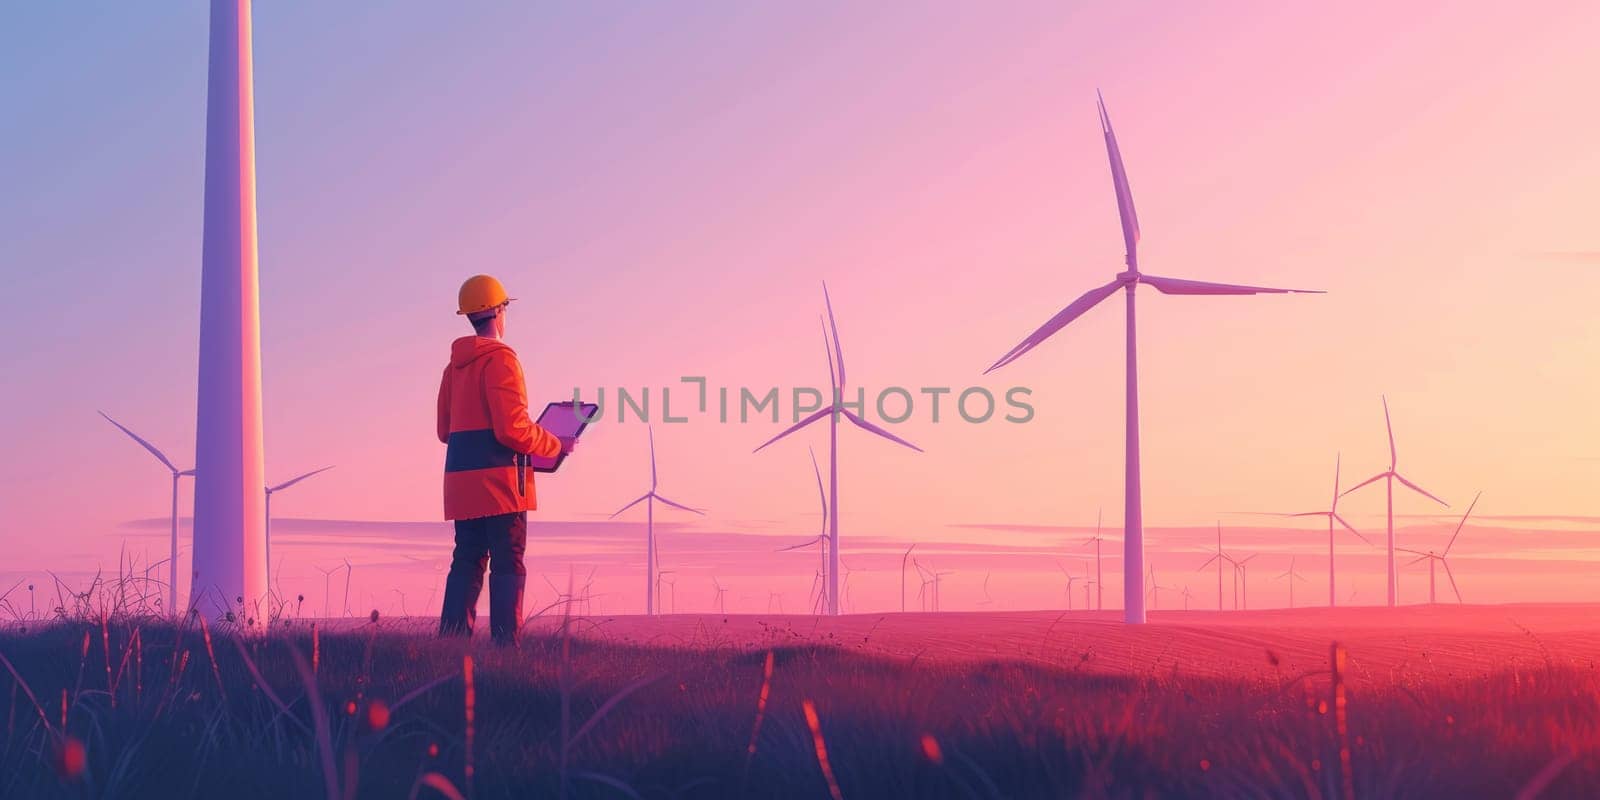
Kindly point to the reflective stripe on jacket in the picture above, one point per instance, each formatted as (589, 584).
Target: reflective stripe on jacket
(484, 423)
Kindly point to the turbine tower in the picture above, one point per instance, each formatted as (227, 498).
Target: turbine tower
(172, 560)
(1333, 516)
(230, 561)
(1128, 281)
(832, 412)
(649, 499)
(1389, 476)
(1436, 559)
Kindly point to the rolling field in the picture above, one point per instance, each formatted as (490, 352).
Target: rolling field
(1496, 701)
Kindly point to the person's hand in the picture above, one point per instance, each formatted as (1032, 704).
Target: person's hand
(568, 444)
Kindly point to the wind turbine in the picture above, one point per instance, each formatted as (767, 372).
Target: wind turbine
(229, 542)
(844, 586)
(1221, 557)
(1389, 476)
(836, 378)
(1154, 589)
(1096, 540)
(1071, 579)
(903, 576)
(721, 596)
(172, 562)
(924, 596)
(1333, 516)
(1292, 576)
(1435, 559)
(1086, 587)
(271, 490)
(649, 499)
(1128, 281)
(660, 576)
(1186, 596)
(1243, 600)
(327, 580)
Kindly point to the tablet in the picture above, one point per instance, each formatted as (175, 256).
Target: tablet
(562, 419)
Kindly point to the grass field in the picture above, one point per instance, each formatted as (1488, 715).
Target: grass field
(1492, 701)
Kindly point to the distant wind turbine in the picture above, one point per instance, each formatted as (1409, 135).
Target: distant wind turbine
(1333, 516)
(1221, 557)
(327, 579)
(1071, 579)
(1292, 576)
(832, 412)
(1128, 280)
(903, 559)
(924, 594)
(271, 490)
(1243, 601)
(1096, 540)
(1154, 589)
(172, 562)
(1186, 595)
(1389, 476)
(649, 499)
(721, 596)
(1438, 559)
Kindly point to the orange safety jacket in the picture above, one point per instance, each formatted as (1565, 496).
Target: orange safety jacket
(484, 423)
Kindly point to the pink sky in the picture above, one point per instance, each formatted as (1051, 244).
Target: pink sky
(666, 191)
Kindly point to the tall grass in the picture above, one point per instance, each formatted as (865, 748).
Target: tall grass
(390, 714)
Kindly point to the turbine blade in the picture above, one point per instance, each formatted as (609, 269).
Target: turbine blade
(803, 545)
(871, 428)
(1336, 459)
(1208, 563)
(833, 324)
(1186, 286)
(1389, 426)
(1352, 529)
(1119, 180)
(1377, 477)
(292, 481)
(827, 350)
(676, 505)
(1066, 315)
(641, 499)
(1417, 560)
(1461, 523)
(1308, 514)
(1452, 577)
(187, 472)
(148, 446)
(652, 431)
(1418, 489)
(821, 493)
(816, 415)
(1409, 550)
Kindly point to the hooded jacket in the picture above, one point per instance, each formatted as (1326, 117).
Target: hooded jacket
(484, 423)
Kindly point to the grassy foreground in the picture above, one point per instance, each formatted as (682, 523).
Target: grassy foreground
(147, 709)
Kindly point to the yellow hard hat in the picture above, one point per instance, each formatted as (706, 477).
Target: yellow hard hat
(481, 293)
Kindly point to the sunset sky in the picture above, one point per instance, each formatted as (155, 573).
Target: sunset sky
(665, 187)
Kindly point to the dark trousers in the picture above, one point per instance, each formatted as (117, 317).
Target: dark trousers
(496, 543)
